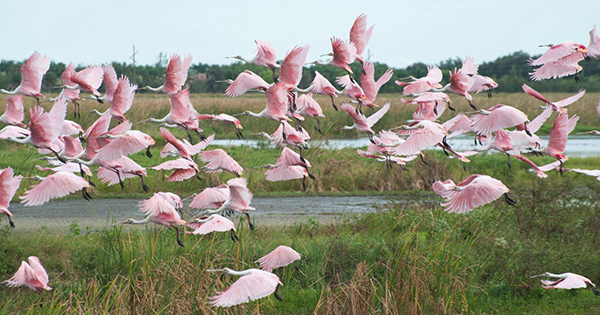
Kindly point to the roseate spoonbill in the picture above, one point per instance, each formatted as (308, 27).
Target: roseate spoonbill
(121, 99)
(55, 185)
(111, 81)
(45, 127)
(309, 107)
(183, 169)
(170, 150)
(497, 117)
(428, 102)
(13, 131)
(160, 209)
(476, 190)
(320, 85)
(245, 82)
(218, 160)
(363, 123)
(279, 257)
(181, 114)
(458, 125)
(15, 112)
(557, 106)
(125, 143)
(265, 56)
(86, 80)
(239, 199)
(424, 134)
(420, 85)
(482, 83)
(181, 148)
(461, 80)
(9, 183)
(360, 35)
(567, 281)
(31, 274)
(212, 223)
(343, 54)
(594, 46)
(32, 72)
(559, 61)
(368, 83)
(287, 172)
(288, 135)
(175, 75)
(211, 197)
(226, 119)
(252, 285)
(114, 171)
(557, 141)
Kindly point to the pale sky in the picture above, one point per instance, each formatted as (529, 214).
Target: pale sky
(405, 32)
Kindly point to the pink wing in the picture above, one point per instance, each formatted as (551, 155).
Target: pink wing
(157, 206)
(256, 285)
(13, 131)
(373, 119)
(290, 72)
(285, 172)
(216, 223)
(570, 100)
(212, 197)
(25, 275)
(127, 143)
(279, 257)
(343, 53)
(176, 73)
(122, 97)
(594, 46)
(178, 164)
(480, 191)
(110, 80)
(56, 185)
(499, 117)
(265, 54)
(179, 146)
(240, 196)
(39, 271)
(554, 69)
(572, 281)
(421, 139)
(557, 52)
(320, 85)
(539, 120)
(563, 125)
(219, 160)
(8, 186)
(245, 81)
(180, 105)
(289, 157)
(32, 72)
(15, 112)
(359, 34)
(469, 66)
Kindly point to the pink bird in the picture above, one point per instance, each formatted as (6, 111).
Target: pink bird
(428, 108)
(226, 119)
(111, 81)
(497, 117)
(181, 148)
(363, 123)
(290, 72)
(55, 185)
(253, 284)
(239, 199)
(354, 91)
(31, 274)
(461, 81)
(244, 82)
(279, 257)
(114, 171)
(424, 84)
(557, 142)
(482, 83)
(288, 135)
(287, 172)
(171, 150)
(181, 114)
(559, 61)
(183, 169)
(218, 160)
(15, 112)
(343, 54)
(557, 106)
(458, 125)
(424, 134)
(45, 127)
(265, 56)
(125, 141)
(14, 132)
(32, 72)
(368, 83)
(213, 223)
(9, 183)
(360, 35)
(476, 190)
(320, 85)
(175, 75)
(277, 104)
(567, 281)
(309, 107)
(211, 198)
(594, 46)
(86, 80)
(502, 142)
(160, 209)
(121, 99)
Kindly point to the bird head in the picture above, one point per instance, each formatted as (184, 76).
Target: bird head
(241, 114)
(128, 221)
(545, 274)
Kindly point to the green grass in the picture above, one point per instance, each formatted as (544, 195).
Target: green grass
(411, 259)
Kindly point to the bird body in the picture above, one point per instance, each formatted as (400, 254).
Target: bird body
(32, 72)
(424, 84)
(476, 190)
(252, 285)
(9, 183)
(567, 281)
(175, 75)
(55, 185)
(559, 61)
(360, 35)
(31, 274)
(279, 257)
(213, 223)
(15, 112)
(495, 118)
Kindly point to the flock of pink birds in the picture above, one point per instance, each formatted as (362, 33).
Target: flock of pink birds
(61, 140)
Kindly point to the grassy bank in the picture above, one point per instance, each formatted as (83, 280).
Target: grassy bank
(412, 259)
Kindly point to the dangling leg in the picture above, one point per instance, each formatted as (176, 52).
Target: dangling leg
(178, 239)
(148, 153)
(508, 160)
(146, 189)
(276, 294)
(10, 222)
(333, 103)
(249, 221)
(234, 237)
(508, 200)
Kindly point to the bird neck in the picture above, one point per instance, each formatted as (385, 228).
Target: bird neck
(8, 92)
(237, 273)
(19, 140)
(134, 221)
(253, 114)
(349, 127)
(157, 89)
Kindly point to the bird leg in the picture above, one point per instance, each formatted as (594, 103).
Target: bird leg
(472, 106)
(146, 189)
(508, 200)
(275, 79)
(336, 109)
(202, 137)
(561, 167)
(234, 237)
(81, 138)
(276, 294)
(423, 159)
(371, 138)
(189, 135)
(508, 160)
(178, 239)
(148, 153)
(249, 221)
(86, 195)
(444, 150)
(435, 108)
(577, 79)
(304, 184)
(238, 134)
(119, 176)
(10, 222)
(60, 158)
(451, 108)
(446, 143)
(527, 130)
(489, 93)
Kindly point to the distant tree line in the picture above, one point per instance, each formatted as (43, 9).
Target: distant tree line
(510, 72)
